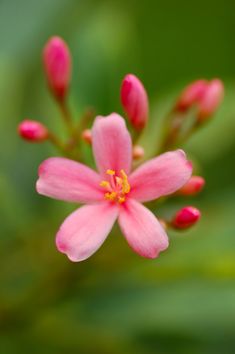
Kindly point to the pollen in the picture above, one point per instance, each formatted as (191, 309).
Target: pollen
(121, 199)
(105, 184)
(118, 181)
(117, 187)
(111, 196)
(125, 183)
(110, 172)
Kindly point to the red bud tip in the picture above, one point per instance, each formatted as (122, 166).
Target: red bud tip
(33, 131)
(211, 99)
(191, 95)
(134, 101)
(193, 186)
(186, 217)
(86, 136)
(57, 66)
(138, 152)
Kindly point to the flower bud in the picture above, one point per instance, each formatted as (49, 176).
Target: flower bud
(57, 66)
(138, 152)
(32, 130)
(186, 217)
(211, 99)
(193, 186)
(191, 95)
(86, 136)
(134, 101)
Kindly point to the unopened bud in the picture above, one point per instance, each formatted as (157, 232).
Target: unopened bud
(57, 66)
(211, 99)
(186, 217)
(33, 131)
(86, 136)
(193, 186)
(138, 152)
(191, 95)
(134, 101)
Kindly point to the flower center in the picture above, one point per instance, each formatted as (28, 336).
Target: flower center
(117, 187)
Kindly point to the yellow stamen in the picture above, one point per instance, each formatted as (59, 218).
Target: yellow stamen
(110, 172)
(105, 184)
(119, 181)
(125, 185)
(110, 196)
(121, 200)
(117, 188)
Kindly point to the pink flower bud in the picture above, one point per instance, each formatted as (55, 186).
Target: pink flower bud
(211, 99)
(193, 186)
(138, 152)
(134, 101)
(57, 66)
(32, 130)
(191, 95)
(186, 217)
(86, 136)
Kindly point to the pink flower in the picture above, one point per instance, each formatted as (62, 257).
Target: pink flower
(113, 193)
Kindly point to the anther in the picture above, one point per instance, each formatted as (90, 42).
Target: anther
(110, 172)
(125, 184)
(105, 184)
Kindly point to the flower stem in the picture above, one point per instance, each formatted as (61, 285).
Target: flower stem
(57, 142)
(64, 148)
(71, 147)
(171, 134)
(66, 115)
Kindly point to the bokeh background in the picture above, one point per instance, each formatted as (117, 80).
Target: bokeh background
(116, 302)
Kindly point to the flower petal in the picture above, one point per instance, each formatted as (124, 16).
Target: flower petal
(111, 141)
(68, 180)
(160, 176)
(142, 230)
(84, 231)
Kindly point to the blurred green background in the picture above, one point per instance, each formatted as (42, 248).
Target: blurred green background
(116, 302)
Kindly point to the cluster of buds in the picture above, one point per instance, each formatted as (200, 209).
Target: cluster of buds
(188, 216)
(57, 68)
(197, 103)
(204, 95)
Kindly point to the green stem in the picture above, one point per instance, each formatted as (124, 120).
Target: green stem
(57, 142)
(66, 115)
(63, 148)
(86, 119)
(72, 144)
(171, 131)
